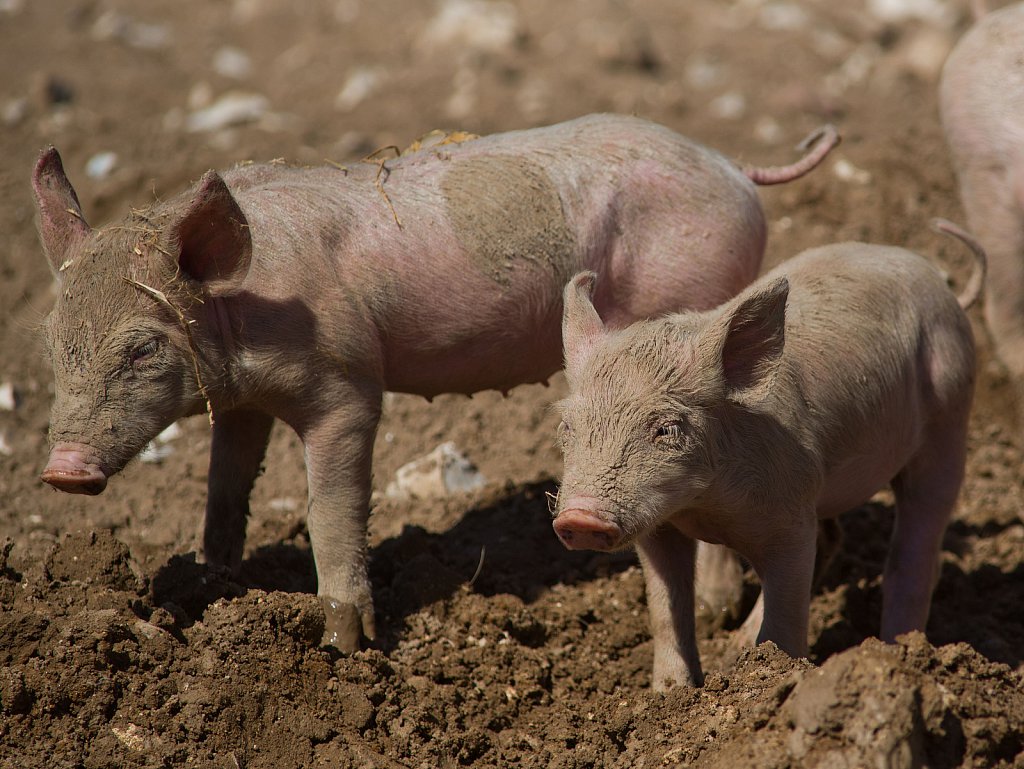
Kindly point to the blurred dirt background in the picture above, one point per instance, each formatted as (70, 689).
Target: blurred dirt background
(496, 647)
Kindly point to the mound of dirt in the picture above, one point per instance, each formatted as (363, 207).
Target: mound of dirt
(97, 671)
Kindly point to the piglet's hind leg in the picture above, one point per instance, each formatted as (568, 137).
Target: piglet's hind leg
(926, 491)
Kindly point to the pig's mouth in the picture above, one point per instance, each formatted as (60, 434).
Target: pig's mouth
(73, 469)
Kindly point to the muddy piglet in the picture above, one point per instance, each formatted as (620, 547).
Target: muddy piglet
(302, 294)
(846, 369)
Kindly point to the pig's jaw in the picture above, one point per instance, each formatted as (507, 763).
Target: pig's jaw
(73, 468)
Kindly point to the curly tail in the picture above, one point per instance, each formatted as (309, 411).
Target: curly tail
(972, 292)
(822, 141)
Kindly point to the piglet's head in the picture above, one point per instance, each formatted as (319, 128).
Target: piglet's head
(654, 407)
(124, 364)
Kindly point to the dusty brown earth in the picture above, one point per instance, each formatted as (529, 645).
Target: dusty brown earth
(497, 648)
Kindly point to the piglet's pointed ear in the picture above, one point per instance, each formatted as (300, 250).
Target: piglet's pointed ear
(582, 327)
(755, 336)
(61, 224)
(212, 237)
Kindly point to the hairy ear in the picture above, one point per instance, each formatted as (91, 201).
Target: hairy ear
(755, 335)
(582, 327)
(212, 237)
(61, 224)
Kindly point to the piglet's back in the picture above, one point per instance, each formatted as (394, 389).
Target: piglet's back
(878, 346)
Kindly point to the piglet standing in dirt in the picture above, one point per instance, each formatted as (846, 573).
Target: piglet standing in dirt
(303, 293)
(846, 369)
(982, 107)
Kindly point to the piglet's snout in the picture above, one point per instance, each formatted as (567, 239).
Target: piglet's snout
(72, 470)
(583, 530)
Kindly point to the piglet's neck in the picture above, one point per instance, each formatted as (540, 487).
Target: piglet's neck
(221, 341)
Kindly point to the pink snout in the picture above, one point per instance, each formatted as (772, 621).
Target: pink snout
(72, 469)
(582, 530)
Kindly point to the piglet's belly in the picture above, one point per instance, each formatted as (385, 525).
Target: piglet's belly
(480, 364)
(854, 482)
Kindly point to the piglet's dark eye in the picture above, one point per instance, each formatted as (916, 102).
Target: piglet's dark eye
(144, 351)
(670, 431)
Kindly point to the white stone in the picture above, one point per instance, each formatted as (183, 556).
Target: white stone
(893, 11)
(484, 25)
(100, 165)
(848, 172)
(232, 62)
(8, 397)
(729, 106)
(155, 453)
(442, 472)
(113, 25)
(361, 82)
(231, 109)
(14, 111)
(158, 449)
(169, 433)
(783, 16)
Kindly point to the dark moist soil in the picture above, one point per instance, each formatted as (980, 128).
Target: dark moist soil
(496, 647)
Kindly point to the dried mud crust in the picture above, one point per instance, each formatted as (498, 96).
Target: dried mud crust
(496, 647)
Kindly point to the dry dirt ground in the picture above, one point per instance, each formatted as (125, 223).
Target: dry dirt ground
(117, 649)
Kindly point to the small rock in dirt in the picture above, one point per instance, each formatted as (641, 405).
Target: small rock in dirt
(14, 111)
(157, 450)
(848, 172)
(113, 25)
(8, 397)
(137, 739)
(361, 82)
(474, 24)
(231, 109)
(729, 106)
(895, 11)
(100, 165)
(783, 16)
(155, 453)
(702, 72)
(442, 472)
(200, 95)
(232, 62)
(768, 130)
(11, 7)
(854, 69)
(284, 504)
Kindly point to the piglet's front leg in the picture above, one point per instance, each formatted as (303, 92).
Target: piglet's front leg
(785, 565)
(238, 447)
(667, 556)
(339, 448)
